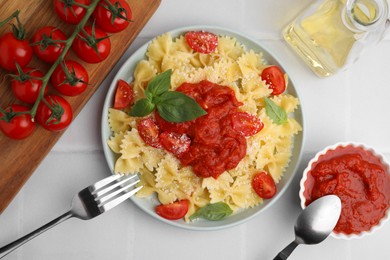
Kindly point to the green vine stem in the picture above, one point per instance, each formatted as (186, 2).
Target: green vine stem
(12, 16)
(45, 79)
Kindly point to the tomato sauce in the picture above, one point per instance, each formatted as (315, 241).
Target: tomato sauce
(216, 146)
(359, 179)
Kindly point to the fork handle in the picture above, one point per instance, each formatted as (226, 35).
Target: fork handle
(17, 243)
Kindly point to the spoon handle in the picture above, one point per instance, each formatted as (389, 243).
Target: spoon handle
(285, 253)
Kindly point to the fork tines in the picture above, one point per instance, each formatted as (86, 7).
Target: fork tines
(113, 190)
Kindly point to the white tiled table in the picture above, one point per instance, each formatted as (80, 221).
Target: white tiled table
(353, 105)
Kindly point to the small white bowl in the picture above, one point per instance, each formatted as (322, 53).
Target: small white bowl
(331, 149)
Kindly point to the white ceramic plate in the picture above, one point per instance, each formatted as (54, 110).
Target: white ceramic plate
(148, 205)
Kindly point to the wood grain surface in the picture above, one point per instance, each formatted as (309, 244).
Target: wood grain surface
(19, 159)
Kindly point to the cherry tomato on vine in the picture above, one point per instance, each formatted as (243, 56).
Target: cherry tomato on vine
(203, 42)
(264, 185)
(47, 43)
(63, 9)
(124, 95)
(16, 126)
(70, 78)
(92, 45)
(24, 87)
(274, 78)
(58, 116)
(14, 50)
(112, 16)
(173, 211)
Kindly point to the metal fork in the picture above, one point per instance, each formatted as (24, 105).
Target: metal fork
(87, 204)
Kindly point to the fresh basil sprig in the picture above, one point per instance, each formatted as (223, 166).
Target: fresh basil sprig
(275, 112)
(213, 211)
(173, 106)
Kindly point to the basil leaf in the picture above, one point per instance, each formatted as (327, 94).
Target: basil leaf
(214, 211)
(159, 84)
(275, 112)
(177, 107)
(142, 107)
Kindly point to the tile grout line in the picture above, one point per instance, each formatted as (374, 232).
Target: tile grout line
(348, 114)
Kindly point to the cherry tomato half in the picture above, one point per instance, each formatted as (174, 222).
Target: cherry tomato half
(177, 144)
(203, 42)
(149, 132)
(173, 211)
(45, 43)
(72, 81)
(20, 126)
(92, 47)
(13, 50)
(246, 124)
(113, 17)
(264, 185)
(274, 78)
(57, 118)
(27, 89)
(124, 95)
(64, 10)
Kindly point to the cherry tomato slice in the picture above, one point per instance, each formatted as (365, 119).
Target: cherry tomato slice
(20, 126)
(264, 185)
(246, 124)
(124, 95)
(203, 42)
(175, 143)
(149, 132)
(173, 211)
(179, 128)
(274, 78)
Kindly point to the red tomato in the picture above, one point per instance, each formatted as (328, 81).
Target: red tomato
(203, 42)
(173, 211)
(179, 128)
(25, 88)
(149, 132)
(246, 124)
(92, 47)
(63, 9)
(56, 118)
(124, 95)
(264, 185)
(12, 51)
(72, 81)
(45, 43)
(274, 78)
(175, 143)
(113, 15)
(18, 126)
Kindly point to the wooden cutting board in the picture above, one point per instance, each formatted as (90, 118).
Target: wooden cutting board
(19, 159)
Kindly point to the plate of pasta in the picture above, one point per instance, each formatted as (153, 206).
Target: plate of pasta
(212, 125)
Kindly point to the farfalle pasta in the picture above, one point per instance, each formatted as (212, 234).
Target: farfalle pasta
(163, 174)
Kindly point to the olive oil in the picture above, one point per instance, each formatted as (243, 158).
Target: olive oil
(329, 35)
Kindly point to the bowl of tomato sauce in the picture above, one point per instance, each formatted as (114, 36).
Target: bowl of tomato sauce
(360, 177)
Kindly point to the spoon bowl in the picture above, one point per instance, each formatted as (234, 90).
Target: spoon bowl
(314, 224)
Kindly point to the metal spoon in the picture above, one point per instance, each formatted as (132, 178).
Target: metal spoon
(314, 224)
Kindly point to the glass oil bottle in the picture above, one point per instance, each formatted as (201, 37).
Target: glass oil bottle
(330, 35)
